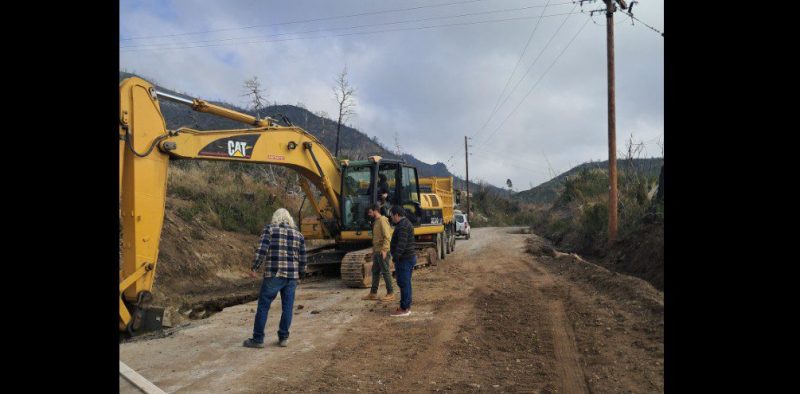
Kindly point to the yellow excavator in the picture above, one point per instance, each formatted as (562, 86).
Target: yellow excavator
(346, 188)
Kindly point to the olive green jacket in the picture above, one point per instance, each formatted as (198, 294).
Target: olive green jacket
(381, 234)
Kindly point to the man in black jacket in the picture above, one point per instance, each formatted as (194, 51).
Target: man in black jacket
(404, 252)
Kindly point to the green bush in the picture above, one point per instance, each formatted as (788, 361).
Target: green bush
(230, 200)
(593, 225)
(558, 228)
(589, 183)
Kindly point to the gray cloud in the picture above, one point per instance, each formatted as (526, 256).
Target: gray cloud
(432, 86)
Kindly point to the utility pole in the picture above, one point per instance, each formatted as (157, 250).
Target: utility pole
(466, 160)
(612, 122)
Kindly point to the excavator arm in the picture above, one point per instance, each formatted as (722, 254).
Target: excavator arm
(145, 148)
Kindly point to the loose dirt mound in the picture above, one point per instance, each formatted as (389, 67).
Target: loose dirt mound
(622, 287)
(641, 255)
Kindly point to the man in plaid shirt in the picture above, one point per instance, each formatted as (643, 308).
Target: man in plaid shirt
(284, 250)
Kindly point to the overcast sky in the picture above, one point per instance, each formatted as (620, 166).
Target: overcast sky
(432, 84)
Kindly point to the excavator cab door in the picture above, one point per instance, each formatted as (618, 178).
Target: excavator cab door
(358, 192)
(409, 194)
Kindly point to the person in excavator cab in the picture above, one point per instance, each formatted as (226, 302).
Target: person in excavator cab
(383, 195)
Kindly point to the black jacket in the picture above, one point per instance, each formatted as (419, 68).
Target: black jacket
(383, 187)
(403, 245)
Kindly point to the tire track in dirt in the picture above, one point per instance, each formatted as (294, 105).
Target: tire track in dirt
(570, 373)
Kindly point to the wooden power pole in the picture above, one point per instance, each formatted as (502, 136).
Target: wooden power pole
(612, 122)
(466, 160)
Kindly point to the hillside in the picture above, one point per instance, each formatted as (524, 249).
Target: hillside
(576, 219)
(548, 191)
(353, 143)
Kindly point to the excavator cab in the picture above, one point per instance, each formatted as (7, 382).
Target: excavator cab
(398, 182)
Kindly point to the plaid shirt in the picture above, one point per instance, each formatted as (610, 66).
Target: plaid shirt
(285, 249)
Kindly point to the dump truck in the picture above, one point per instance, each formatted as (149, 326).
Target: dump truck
(441, 188)
(344, 191)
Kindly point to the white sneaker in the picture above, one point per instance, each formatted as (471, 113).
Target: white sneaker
(401, 312)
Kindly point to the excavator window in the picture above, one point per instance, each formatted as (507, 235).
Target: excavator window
(388, 182)
(357, 197)
(410, 193)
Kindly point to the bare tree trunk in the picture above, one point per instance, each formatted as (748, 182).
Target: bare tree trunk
(344, 93)
(338, 127)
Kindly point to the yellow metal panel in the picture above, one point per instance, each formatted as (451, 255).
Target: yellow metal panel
(443, 188)
(124, 316)
(347, 236)
(312, 228)
(433, 229)
(144, 183)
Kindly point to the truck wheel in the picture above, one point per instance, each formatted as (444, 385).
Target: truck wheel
(441, 246)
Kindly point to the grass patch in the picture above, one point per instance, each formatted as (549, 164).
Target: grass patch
(240, 197)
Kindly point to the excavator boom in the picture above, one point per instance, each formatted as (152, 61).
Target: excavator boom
(146, 146)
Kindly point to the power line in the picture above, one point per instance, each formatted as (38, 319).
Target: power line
(537, 82)
(526, 72)
(166, 45)
(651, 27)
(348, 34)
(301, 21)
(519, 61)
(530, 67)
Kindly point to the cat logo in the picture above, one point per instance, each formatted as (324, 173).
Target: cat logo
(237, 148)
(240, 147)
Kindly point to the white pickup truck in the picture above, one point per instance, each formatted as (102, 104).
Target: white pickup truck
(462, 225)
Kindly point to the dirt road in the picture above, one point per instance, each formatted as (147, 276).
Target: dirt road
(491, 317)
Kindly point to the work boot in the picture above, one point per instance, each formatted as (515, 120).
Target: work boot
(401, 312)
(251, 343)
(389, 297)
(283, 342)
(370, 297)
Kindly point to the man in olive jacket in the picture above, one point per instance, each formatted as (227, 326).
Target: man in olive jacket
(404, 252)
(381, 257)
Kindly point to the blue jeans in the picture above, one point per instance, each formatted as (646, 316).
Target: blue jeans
(403, 269)
(270, 288)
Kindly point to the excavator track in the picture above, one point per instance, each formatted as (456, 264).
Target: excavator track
(356, 267)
